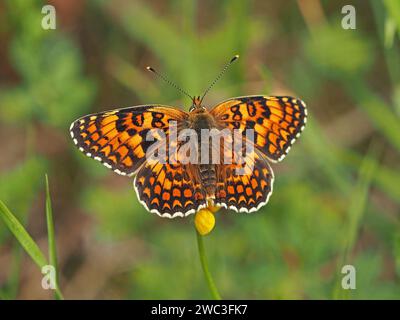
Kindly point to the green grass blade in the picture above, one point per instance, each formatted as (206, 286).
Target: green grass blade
(393, 9)
(356, 209)
(22, 236)
(25, 240)
(51, 236)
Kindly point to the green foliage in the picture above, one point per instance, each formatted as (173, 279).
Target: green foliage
(116, 222)
(21, 184)
(50, 68)
(336, 51)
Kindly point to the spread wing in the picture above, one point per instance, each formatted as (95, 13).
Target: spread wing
(117, 138)
(276, 120)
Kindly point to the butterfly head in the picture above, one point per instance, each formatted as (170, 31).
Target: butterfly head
(196, 105)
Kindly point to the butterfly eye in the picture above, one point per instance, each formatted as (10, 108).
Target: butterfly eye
(192, 108)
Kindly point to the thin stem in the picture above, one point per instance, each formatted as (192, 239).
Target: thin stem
(58, 293)
(204, 265)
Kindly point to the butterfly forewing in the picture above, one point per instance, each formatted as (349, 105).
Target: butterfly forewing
(117, 138)
(276, 120)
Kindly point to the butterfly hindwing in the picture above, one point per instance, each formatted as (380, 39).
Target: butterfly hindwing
(117, 138)
(244, 187)
(276, 120)
(170, 190)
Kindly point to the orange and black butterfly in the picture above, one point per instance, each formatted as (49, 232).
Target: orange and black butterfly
(117, 139)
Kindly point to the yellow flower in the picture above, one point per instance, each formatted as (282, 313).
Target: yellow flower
(204, 219)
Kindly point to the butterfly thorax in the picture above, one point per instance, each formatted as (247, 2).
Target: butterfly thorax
(201, 119)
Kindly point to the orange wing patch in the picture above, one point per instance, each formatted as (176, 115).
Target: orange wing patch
(277, 121)
(117, 138)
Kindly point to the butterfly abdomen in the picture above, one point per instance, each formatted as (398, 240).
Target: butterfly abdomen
(208, 178)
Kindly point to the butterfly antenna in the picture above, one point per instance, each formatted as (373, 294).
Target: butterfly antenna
(219, 75)
(172, 84)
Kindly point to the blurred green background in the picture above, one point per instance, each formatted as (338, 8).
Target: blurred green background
(336, 196)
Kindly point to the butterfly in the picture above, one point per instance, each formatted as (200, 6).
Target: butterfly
(119, 140)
